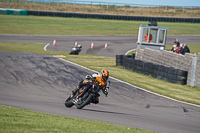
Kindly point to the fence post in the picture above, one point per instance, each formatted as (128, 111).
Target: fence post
(194, 63)
(158, 9)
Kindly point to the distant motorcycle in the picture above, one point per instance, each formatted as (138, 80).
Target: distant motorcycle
(86, 95)
(76, 50)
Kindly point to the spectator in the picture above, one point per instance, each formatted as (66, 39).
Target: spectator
(174, 48)
(186, 49)
(181, 48)
(177, 42)
(150, 37)
(178, 49)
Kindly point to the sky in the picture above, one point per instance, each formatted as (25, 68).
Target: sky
(154, 2)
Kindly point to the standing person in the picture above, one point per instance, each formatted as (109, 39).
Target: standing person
(174, 48)
(186, 48)
(181, 48)
(150, 37)
(178, 50)
(177, 42)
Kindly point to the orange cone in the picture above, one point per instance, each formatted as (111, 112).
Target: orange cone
(75, 44)
(106, 45)
(54, 42)
(92, 45)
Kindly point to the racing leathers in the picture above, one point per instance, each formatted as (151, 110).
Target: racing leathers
(103, 85)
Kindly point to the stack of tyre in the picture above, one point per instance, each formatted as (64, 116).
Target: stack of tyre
(157, 71)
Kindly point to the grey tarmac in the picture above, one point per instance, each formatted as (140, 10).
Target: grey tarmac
(117, 44)
(42, 83)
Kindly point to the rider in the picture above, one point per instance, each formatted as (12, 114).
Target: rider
(103, 80)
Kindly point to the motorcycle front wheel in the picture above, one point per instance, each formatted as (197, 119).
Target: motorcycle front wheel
(68, 102)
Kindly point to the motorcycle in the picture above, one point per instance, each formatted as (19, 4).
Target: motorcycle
(86, 95)
(76, 50)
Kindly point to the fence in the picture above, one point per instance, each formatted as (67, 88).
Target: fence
(102, 8)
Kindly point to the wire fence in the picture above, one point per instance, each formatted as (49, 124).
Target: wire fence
(102, 8)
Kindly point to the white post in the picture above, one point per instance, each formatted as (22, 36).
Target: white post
(193, 71)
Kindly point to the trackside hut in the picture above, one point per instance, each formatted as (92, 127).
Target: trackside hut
(152, 37)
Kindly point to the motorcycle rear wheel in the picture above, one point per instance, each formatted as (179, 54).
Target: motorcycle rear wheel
(84, 103)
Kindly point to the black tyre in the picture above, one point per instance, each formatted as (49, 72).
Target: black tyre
(128, 56)
(84, 103)
(161, 68)
(181, 72)
(181, 82)
(68, 102)
(139, 63)
(119, 60)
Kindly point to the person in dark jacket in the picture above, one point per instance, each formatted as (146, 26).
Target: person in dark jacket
(186, 49)
(177, 42)
(181, 48)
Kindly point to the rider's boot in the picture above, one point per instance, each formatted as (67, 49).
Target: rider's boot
(81, 84)
(96, 101)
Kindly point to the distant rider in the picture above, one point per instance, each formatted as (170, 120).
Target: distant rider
(102, 78)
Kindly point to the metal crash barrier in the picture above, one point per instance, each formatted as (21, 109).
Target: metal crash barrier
(113, 17)
(13, 11)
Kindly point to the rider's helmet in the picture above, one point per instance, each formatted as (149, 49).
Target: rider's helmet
(104, 74)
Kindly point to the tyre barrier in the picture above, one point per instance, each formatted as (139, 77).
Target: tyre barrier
(113, 17)
(160, 72)
(119, 60)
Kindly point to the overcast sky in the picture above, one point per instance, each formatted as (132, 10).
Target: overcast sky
(154, 2)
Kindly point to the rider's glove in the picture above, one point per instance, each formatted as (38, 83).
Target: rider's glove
(88, 77)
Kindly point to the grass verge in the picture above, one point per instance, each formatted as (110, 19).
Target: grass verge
(21, 120)
(180, 92)
(34, 25)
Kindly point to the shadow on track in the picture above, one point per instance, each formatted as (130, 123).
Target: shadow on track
(107, 112)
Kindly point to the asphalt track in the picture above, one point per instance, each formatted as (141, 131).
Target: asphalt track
(42, 83)
(116, 44)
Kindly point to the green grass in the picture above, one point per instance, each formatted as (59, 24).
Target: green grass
(34, 25)
(179, 92)
(25, 121)
(18, 120)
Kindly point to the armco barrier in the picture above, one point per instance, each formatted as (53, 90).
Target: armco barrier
(157, 71)
(114, 17)
(12, 11)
